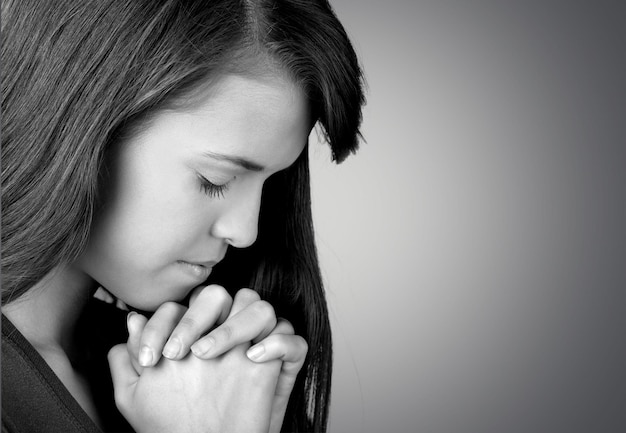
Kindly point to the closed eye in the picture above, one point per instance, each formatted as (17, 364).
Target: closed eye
(211, 189)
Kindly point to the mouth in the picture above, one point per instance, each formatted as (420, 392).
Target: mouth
(199, 270)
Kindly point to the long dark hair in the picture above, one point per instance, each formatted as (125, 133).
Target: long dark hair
(77, 74)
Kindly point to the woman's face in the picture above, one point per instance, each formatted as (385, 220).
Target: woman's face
(189, 185)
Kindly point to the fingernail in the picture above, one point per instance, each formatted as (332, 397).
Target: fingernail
(201, 349)
(172, 348)
(199, 352)
(255, 352)
(145, 356)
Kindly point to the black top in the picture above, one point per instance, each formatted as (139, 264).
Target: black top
(35, 400)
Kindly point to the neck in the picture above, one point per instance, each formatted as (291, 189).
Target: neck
(47, 314)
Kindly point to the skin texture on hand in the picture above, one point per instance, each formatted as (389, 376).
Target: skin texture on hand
(173, 328)
(234, 325)
(229, 393)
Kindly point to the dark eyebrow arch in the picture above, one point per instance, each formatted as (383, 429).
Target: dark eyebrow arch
(242, 162)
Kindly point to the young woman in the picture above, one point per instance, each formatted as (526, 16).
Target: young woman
(157, 149)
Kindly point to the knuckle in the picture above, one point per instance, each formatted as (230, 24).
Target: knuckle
(196, 292)
(214, 293)
(303, 346)
(187, 322)
(223, 332)
(284, 326)
(171, 307)
(248, 295)
(222, 296)
(115, 351)
(265, 310)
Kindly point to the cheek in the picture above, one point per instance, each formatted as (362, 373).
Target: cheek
(152, 224)
(143, 235)
(154, 216)
(147, 209)
(137, 263)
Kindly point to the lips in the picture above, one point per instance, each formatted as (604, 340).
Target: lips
(200, 270)
(206, 264)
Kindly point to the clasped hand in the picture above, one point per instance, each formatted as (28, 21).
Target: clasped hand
(238, 379)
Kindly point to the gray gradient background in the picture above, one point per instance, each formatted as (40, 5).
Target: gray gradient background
(474, 249)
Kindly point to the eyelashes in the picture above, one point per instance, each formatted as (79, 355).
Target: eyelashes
(211, 189)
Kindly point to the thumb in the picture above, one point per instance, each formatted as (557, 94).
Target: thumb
(123, 374)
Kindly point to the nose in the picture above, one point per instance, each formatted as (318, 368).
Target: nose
(238, 220)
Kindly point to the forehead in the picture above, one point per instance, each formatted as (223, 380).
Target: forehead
(265, 119)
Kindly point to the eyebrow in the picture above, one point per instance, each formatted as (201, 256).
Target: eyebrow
(242, 162)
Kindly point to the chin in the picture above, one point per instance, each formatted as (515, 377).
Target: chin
(150, 300)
